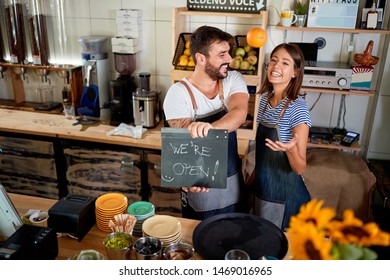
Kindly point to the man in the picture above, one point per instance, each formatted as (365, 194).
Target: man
(212, 97)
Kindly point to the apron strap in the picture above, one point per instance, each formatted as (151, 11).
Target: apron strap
(281, 113)
(194, 105)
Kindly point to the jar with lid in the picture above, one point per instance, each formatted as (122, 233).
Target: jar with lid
(38, 19)
(15, 19)
(372, 17)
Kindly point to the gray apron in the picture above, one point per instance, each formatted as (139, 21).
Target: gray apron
(279, 191)
(216, 201)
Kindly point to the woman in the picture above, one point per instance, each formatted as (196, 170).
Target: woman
(283, 129)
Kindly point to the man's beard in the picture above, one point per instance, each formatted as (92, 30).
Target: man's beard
(214, 72)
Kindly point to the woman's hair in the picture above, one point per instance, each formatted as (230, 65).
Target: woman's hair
(294, 87)
(204, 37)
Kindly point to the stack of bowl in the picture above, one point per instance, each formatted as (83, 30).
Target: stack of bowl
(142, 210)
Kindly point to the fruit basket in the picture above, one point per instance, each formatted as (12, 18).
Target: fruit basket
(240, 43)
(179, 51)
(366, 58)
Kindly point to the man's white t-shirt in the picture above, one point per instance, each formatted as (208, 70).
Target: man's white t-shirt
(177, 102)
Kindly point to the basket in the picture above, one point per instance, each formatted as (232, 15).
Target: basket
(366, 58)
(240, 41)
(180, 47)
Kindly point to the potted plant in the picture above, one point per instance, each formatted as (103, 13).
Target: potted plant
(300, 10)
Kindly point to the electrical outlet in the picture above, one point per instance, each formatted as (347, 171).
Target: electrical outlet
(350, 48)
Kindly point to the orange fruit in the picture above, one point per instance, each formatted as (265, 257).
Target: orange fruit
(256, 37)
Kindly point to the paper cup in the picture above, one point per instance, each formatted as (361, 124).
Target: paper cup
(39, 219)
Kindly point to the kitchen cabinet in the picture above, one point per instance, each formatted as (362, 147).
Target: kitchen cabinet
(94, 169)
(28, 165)
(180, 24)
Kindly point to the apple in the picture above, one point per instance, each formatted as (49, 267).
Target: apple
(252, 68)
(240, 51)
(248, 48)
(244, 65)
(239, 58)
(235, 63)
(252, 59)
(253, 52)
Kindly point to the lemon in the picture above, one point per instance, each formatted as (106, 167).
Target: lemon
(187, 52)
(187, 44)
(183, 62)
(191, 63)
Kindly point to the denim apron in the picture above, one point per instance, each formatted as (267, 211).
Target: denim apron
(279, 191)
(217, 201)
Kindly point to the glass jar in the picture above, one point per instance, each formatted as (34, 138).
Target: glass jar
(38, 18)
(15, 17)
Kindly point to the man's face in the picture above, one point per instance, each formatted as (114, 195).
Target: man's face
(218, 61)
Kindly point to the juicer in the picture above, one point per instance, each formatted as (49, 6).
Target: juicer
(146, 103)
(122, 89)
(95, 99)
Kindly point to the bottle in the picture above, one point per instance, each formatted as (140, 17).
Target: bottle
(372, 17)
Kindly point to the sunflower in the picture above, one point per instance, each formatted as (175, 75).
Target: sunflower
(351, 230)
(314, 213)
(308, 243)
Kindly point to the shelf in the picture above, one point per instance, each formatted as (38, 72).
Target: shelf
(337, 91)
(324, 29)
(355, 147)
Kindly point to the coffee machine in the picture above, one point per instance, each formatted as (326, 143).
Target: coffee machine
(95, 99)
(146, 103)
(122, 89)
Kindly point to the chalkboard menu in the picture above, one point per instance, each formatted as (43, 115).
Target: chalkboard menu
(187, 161)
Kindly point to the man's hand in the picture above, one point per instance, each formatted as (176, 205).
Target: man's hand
(199, 129)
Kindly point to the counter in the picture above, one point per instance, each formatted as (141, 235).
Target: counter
(53, 125)
(68, 246)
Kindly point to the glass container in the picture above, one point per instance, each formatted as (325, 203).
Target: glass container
(38, 23)
(15, 17)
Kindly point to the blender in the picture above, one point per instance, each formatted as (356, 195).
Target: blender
(122, 89)
(146, 104)
(95, 99)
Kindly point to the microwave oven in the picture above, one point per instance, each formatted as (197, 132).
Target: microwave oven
(333, 13)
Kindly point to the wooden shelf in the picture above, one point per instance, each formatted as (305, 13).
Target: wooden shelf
(355, 147)
(337, 91)
(340, 30)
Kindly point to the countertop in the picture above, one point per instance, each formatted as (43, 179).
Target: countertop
(67, 246)
(55, 125)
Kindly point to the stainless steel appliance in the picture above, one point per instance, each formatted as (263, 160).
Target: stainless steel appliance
(95, 100)
(146, 103)
(324, 74)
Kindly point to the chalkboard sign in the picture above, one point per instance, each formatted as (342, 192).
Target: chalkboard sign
(187, 161)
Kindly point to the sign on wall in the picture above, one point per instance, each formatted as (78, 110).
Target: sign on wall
(228, 6)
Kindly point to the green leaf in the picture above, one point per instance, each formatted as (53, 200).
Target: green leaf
(369, 254)
(350, 252)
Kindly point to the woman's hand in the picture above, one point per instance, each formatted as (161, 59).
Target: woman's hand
(195, 189)
(279, 146)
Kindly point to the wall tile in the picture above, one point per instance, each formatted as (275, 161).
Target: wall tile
(100, 9)
(164, 8)
(147, 7)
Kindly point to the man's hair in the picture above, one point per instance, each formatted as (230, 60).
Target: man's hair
(204, 37)
(293, 89)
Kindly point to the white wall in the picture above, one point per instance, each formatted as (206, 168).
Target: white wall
(97, 17)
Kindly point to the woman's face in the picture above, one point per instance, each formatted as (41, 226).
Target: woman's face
(281, 68)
